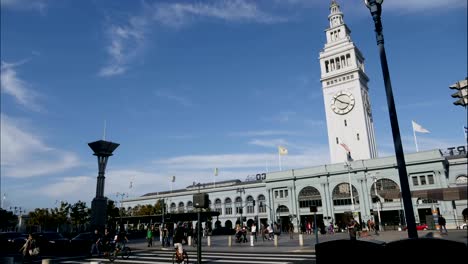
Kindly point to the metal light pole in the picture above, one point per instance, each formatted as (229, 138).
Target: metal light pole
(375, 7)
(350, 187)
(378, 203)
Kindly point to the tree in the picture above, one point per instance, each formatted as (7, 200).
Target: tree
(40, 217)
(8, 220)
(79, 215)
(60, 215)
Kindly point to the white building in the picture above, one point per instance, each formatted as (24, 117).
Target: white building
(437, 179)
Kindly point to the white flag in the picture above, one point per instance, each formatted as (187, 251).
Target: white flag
(282, 150)
(216, 172)
(418, 128)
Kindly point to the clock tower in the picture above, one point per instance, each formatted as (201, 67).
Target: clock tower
(345, 93)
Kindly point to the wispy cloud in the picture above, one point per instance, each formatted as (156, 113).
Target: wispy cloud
(36, 5)
(25, 155)
(180, 14)
(126, 41)
(184, 101)
(263, 133)
(283, 117)
(271, 143)
(14, 86)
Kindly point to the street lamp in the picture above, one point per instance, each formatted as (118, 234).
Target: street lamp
(241, 191)
(121, 195)
(377, 196)
(350, 187)
(375, 7)
(102, 150)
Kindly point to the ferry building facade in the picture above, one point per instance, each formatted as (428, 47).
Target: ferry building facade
(361, 184)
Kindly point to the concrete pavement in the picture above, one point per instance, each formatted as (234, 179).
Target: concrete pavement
(285, 244)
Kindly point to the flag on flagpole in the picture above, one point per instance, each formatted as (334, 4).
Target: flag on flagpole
(173, 179)
(345, 147)
(216, 172)
(465, 130)
(348, 151)
(418, 128)
(282, 150)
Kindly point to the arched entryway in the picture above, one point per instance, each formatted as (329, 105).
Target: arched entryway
(283, 217)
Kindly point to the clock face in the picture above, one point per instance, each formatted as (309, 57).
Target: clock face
(342, 102)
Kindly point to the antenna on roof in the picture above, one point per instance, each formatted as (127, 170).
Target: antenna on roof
(104, 134)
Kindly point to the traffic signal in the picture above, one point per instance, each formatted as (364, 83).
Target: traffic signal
(461, 93)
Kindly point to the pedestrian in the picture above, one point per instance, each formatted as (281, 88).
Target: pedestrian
(442, 223)
(291, 231)
(352, 228)
(96, 238)
(29, 249)
(253, 229)
(149, 235)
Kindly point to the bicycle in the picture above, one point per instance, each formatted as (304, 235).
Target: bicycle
(178, 258)
(115, 251)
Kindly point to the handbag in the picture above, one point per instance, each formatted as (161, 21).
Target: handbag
(34, 251)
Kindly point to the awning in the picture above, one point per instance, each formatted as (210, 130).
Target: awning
(440, 194)
(443, 194)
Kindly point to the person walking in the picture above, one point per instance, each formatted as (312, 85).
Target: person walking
(149, 235)
(253, 229)
(96, 238)
(352, 228)
(29, 249)
(442, 223)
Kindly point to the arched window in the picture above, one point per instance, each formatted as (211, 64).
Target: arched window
(309, 196)
(341, 195)
(386, 189)
(238, 205)
(189, 206)
(180, 209)
(228, 205)
(218, 206)
(250, 206)
(173, 207)
(261, 204)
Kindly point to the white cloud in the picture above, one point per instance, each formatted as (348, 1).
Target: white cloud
(126, 41)
(38, 5)
(272, 143)
(179, 14)
(264, 133)
(25, 155)
(70, 189)
(12, 85)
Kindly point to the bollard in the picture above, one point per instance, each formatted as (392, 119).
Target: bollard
(208, 241)
(301, 240)
(229, 241)
(46, 261)
(251, 241)
(276, 240)
(189, 242)
(95, 262)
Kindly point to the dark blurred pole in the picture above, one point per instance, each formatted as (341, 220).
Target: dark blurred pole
(375, 7)
(199, 237)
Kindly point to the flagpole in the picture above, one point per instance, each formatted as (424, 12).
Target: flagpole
(415, 140)
(279, 160)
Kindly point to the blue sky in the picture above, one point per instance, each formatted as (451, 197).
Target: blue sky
(188, 86)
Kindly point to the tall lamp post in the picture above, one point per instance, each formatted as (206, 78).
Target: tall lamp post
(375, 7)
(103, 150)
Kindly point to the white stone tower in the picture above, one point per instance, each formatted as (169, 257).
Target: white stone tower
(345, 92)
